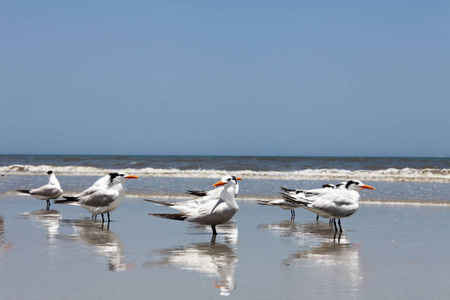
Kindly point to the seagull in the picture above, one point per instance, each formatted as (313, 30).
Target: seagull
(288, 205)
(52, 190)
(334, 204)
(214, 211)
(105, 199)
(102, 183)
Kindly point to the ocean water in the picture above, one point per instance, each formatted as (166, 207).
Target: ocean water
(407, 180)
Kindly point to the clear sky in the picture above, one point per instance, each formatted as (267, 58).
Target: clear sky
(225, 77)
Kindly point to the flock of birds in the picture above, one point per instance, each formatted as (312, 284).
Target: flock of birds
(212, 207)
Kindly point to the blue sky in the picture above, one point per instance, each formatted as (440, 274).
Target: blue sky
(325, 78)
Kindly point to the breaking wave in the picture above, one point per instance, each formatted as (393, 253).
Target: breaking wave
(388, 175)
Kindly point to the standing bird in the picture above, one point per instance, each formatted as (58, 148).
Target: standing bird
(289, 205)
(105, 199)
(214, 211)
(52, 190)
(333, 204)
(102, 183)
(203, 197)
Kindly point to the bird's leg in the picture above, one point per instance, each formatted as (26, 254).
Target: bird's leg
(103, 219)
(109, 220)
(213, 239)
(340, 227)
(48, 204)
(317, 218)
(292, 215)
(335, 226)
(214, 229)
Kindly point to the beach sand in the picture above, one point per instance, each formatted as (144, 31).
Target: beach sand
(386, 251)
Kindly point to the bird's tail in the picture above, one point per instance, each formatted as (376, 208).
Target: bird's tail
(160, 202)
(70, 198)
(262, 202)
(67, 201)
(197, 193)
(179, 217)
(291, 191)
(292, 199)
(24, 191)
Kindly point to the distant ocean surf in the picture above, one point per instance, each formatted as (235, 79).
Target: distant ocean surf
(388, 169)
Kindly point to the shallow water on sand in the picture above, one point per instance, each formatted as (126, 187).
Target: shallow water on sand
(386, 251)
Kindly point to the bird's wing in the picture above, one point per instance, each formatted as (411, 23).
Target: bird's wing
(98, 199)
(46, 191)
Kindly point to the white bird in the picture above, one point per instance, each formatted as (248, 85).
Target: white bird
(334, 204)
(325, 188)
(214, 211)
(105, 199)
(52, 190)
(203, 197)
(102, 183)
(289, 205)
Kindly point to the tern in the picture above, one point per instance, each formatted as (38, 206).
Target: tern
(105, 199)
(333, 204)
(289, 205)
(52, 190)
(102, 183)
(325, 188)
(214, 211)
(203, 197)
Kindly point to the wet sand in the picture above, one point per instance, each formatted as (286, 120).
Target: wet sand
(386, 251)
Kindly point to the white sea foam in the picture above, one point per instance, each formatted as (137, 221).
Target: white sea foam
(387, 175)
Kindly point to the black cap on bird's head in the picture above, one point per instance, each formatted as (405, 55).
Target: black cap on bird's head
(112, 176)
(49, 172)
(123, 177)
(358, 184)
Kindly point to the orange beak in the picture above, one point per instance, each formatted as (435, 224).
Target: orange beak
(367, 187)
(131, 177)
(220, 183)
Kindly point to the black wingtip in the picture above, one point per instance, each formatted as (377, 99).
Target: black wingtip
(197, 193)
(178, 217)
(66, 201)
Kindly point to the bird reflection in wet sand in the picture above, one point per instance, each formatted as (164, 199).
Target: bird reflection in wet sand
(104, 242)
(331, 252)
(212, 259)
(50, 219)
(3, 246)
(229, 232)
